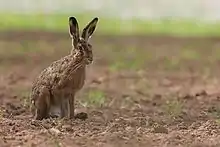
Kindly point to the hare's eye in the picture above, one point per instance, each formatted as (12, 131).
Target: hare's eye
(89, 45)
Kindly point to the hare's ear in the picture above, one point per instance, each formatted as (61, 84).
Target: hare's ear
(74, 29)
(89, 29)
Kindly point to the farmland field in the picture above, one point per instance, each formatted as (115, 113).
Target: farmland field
(140, 91)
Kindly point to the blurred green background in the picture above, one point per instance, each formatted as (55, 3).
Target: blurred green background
(189, 18)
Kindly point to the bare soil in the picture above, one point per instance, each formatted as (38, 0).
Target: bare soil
(169, 98)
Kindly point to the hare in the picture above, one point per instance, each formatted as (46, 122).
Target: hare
(54, 89)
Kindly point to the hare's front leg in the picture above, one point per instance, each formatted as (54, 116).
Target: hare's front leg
(71, 106)
(64, 107)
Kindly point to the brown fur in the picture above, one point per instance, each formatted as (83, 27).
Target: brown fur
(57, 85)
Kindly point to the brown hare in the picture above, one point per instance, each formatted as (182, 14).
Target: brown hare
(54, 89)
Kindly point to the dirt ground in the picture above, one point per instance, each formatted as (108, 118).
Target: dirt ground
(140, 91)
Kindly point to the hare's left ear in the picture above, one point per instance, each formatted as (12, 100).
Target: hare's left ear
(74, 29)
(89, 29)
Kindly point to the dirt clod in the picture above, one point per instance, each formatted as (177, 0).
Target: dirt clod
(160, 129)
(81, 115)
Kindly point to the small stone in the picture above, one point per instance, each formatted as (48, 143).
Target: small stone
(43, 131)
(82, 116)
(67, 127)
(160, 129)
(55, 131)
(201, 93)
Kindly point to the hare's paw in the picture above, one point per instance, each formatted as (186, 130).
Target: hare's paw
(54, 116)
(55, 111)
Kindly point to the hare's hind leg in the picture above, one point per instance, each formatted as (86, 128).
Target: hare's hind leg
(42, 106)
(42, 110)
(41, 113)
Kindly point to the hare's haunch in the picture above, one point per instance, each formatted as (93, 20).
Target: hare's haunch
(54, 89)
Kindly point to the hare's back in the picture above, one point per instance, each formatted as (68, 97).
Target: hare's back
(50, 74)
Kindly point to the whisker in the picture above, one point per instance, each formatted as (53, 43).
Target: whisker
(76, 67)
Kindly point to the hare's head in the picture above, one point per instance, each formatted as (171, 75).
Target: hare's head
(80, 43)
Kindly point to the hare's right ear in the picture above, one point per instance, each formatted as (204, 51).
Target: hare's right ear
(89, 29)
(74, 29)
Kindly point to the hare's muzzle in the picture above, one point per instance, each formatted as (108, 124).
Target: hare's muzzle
(89, 61)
